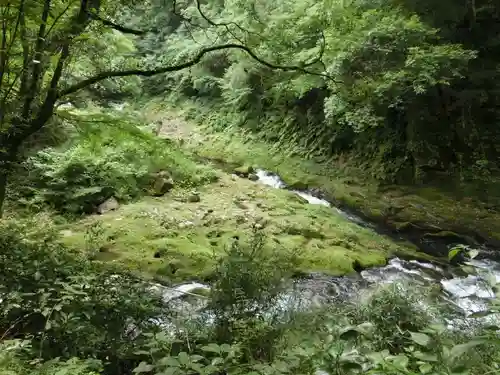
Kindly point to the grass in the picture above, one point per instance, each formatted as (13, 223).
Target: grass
(430, 208)
(172, 238)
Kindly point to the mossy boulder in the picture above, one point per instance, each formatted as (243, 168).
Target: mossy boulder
(244, 170)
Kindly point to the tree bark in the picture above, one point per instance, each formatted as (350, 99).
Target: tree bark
(7, 160)
(4, 174)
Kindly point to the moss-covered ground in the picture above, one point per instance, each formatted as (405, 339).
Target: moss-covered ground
(426, 209)
(176, 238)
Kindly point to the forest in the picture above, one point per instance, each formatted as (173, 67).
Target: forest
(227, 187)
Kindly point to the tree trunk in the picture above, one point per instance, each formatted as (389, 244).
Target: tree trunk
(4, 174)
(7, 160)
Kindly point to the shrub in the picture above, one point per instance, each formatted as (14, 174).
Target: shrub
(115, 159)
(67, 306)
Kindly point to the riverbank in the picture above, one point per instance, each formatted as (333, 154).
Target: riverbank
(424, 213)
(181, 235)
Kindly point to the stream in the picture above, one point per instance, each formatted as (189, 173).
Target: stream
(465, 294)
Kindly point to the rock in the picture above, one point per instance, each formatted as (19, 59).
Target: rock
(185, 224)
(194, 198)
(253, 177)
(109, 205)
(234, 177)
(243, 171)
(162, 185)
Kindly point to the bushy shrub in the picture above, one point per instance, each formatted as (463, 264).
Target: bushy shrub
(249, 281)
(65, 305)
(112, 158)
(15, 360)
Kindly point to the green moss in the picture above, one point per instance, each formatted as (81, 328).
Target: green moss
(350, 185)
(165, 237)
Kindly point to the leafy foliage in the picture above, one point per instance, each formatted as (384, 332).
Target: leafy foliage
(65, 305)
(400, 88)
(111, 157)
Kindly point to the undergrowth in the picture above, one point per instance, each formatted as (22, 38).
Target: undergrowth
(109, 157)
(62, 314)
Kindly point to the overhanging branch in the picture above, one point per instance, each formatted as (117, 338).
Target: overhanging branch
(123, 29)
(148, 73)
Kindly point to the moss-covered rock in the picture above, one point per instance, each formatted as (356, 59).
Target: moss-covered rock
(244, 170)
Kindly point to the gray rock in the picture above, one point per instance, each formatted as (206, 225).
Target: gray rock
(253, 177)
(194, 198)
(109, 205)
(162, 185)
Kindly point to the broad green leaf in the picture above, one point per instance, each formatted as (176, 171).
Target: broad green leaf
(425, 368)
(420, 338)
(211, 348)
(217, 361)
(461, 349)
(427, 357)
(400, 361)
(142, 368)
(183, 358)
(169, 362)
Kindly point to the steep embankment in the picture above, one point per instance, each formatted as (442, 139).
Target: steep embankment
(430, 216)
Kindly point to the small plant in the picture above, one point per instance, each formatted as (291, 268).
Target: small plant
(94, 238)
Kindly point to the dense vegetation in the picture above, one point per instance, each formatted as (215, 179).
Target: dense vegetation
(407, 89)
(98, 205)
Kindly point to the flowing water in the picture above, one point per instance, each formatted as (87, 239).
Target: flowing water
(467, 294)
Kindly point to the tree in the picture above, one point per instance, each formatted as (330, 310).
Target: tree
(40, 40)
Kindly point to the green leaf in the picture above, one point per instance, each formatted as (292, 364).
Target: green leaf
(197, 367)
(183, 358)
(427, 357)
(211, 348)
(461, 349)
(143, 367)
(400, 361)
(217, 361)
(420, 338)
(169, 362)
(425, 368)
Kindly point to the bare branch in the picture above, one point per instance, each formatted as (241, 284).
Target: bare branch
(123, 29)
(148, 73)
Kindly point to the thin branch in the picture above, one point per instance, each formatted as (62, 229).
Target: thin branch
(148, 73)
(123, 29)
(224, 24)
(56, 20)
